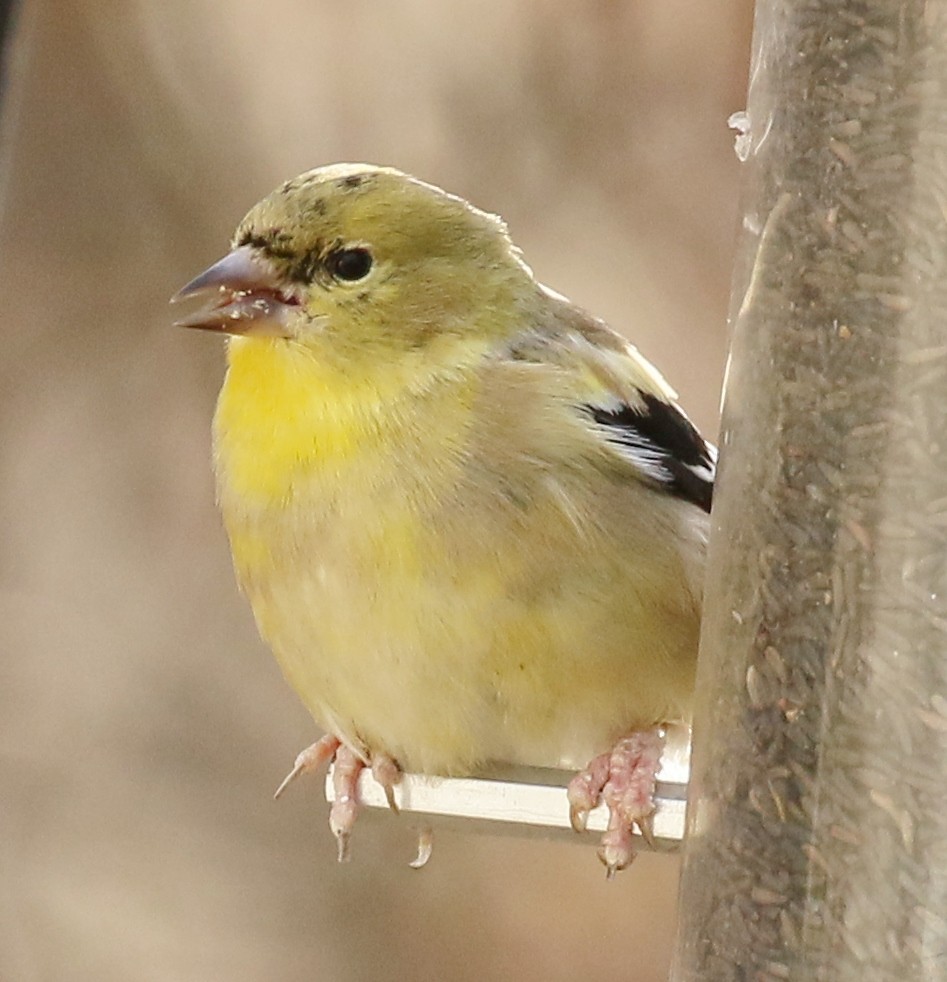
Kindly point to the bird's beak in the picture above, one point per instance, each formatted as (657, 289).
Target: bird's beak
(245, 297)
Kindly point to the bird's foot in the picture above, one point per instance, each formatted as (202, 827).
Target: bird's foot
(345, 773)
(624, 779)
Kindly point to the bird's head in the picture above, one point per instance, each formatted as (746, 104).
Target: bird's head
(356, 255)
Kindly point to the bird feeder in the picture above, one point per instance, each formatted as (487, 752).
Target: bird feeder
(817, 818)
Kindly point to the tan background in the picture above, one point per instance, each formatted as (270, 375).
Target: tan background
(142, 724)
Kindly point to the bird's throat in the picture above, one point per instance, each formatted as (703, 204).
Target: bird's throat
(284, 417)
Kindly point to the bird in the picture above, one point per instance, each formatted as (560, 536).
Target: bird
(470, 518)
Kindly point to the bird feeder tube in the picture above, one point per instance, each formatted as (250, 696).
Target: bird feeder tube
(817, 822)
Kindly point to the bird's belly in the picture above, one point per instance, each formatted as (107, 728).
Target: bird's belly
(448, 660)
(378, 665)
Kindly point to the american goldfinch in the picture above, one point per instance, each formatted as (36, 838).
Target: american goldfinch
(470, 518)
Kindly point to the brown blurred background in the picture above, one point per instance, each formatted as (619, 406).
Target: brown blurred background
(143, 726)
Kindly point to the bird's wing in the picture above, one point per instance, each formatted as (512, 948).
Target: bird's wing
(662, 443)
(627, 403)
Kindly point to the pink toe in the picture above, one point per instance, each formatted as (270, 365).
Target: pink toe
(632, 771)
(344, 810)
(387, 773)
(617, 849)
(585, 788)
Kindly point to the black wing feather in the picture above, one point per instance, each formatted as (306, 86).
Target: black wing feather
(667, 445)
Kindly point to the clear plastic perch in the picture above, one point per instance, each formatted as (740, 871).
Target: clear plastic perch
(530, 801)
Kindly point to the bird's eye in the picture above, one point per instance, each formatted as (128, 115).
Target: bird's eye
(349, 264)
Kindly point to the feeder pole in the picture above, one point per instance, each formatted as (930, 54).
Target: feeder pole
(817, 821)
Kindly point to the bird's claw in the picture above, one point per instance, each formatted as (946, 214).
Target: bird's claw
(645, 825)
(342, 840)
(425, 848)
